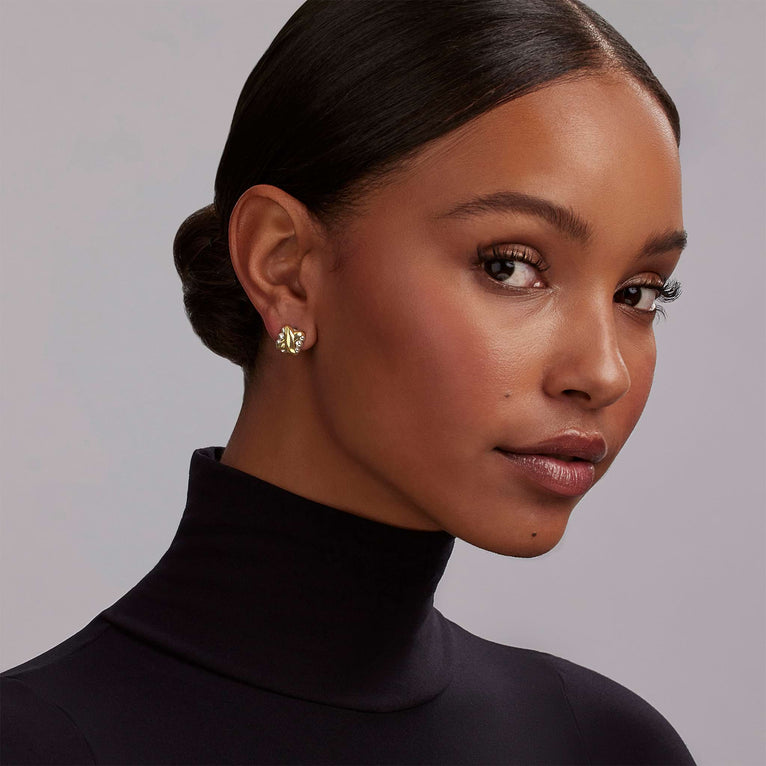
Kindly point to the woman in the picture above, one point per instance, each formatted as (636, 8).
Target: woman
(440, 237)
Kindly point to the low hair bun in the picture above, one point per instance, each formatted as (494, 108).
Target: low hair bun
(217, 306)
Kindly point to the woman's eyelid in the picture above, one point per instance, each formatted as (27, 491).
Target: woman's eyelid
(648, 279)
(516, 251)
(528, 254)
(523, 253)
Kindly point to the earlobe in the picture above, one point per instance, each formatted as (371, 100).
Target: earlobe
(270, 232)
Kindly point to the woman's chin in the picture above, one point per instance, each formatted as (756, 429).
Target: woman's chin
(526, 543)
(529, 548)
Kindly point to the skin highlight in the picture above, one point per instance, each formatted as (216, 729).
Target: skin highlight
(417, 364)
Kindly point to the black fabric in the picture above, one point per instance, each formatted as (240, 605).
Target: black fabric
(277, 630)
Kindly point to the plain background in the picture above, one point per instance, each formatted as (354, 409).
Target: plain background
(114, 115)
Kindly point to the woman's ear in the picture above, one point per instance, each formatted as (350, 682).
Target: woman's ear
(274, 244)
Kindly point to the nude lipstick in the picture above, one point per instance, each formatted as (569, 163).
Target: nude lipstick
(564, 464)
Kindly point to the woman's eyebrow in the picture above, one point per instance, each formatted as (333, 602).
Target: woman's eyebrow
(563, 218)
(673, 239)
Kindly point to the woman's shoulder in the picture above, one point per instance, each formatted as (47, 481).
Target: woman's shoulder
(35, 726)
(616, 725)
(35, 730)
(614, 719)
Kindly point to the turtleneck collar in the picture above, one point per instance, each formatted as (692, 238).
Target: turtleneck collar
(290, 595)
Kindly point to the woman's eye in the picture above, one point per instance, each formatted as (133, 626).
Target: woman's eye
(641, 297)
(515, 269)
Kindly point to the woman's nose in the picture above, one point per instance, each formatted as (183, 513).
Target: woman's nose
(585, 363)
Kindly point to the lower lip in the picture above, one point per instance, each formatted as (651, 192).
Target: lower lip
(559, 476)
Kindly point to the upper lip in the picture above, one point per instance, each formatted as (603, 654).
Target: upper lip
(590, 447)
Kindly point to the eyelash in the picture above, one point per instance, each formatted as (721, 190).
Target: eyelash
(516, 253)
(667, 291)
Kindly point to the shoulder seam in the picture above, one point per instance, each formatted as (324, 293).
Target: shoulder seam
(572, 711)
(61, 709)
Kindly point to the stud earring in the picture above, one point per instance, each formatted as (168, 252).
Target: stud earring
(290, 340)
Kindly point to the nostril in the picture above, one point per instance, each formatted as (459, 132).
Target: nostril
(576, 392)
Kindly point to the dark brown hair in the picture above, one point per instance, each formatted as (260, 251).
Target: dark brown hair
(349, 90)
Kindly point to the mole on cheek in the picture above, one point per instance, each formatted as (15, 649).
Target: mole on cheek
(507, 395)
(534, 534)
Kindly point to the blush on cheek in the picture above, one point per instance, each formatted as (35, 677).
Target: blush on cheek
(424, 372)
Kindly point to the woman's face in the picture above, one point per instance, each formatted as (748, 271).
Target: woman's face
(427, 361)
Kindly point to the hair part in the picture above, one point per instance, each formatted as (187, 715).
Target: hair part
(348, 91)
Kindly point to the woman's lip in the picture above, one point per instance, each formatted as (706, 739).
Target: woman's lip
(559, 476)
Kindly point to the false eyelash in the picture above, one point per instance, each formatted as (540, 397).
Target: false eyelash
(669, 291)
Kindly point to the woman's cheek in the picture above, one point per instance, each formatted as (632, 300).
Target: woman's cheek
(640, 358)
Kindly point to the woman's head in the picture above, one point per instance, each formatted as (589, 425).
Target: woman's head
(379, 154)
(348, 90)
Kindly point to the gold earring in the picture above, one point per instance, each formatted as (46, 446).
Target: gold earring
(290, 339)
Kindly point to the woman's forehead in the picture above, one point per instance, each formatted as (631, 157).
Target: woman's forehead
(597, 143)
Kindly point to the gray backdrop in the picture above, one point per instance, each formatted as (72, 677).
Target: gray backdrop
(114, 115)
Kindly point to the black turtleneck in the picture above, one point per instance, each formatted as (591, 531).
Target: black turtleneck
(277, 630)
